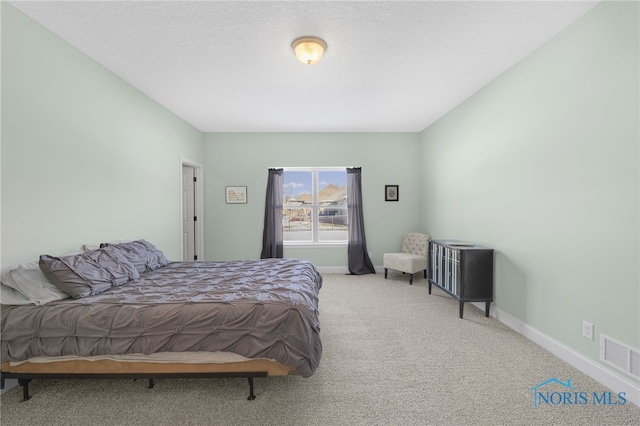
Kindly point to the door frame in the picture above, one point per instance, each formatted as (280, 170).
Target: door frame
(198, 195)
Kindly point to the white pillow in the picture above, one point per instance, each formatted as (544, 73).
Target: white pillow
(29, 280)
(10, 296)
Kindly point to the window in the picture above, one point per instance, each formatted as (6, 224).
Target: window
(315, 205)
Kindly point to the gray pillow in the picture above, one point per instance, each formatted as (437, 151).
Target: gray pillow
(142, 254)
(88, 273)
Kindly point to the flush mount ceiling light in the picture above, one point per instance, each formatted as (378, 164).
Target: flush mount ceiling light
(309, 49)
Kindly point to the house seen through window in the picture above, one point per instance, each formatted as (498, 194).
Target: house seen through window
(315, 205)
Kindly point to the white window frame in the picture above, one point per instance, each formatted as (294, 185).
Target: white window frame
(315, 208)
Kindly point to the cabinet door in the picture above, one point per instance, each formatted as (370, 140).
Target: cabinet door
(477, 274)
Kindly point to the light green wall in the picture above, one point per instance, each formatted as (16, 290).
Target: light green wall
(543, 166)
(234, 231)
(85, 157)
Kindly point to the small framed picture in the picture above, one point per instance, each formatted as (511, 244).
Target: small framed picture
(235, 194)
(391, 192)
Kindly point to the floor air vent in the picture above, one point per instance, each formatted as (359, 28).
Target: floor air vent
(619, 355)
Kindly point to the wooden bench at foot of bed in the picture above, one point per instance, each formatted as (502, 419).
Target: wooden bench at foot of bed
(106, 366)
(102, 369)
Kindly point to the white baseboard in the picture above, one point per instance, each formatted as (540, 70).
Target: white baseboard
(586, 365)
(343, 269)
(333, 269)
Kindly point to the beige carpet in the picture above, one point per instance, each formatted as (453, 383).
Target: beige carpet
(393, 355)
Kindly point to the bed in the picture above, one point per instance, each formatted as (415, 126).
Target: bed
(134, 314)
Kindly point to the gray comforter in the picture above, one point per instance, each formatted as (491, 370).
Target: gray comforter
(258, 309)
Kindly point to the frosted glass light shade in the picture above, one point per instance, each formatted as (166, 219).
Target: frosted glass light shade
(308, 49)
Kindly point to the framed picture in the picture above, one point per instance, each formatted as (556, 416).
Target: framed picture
(391, 192)
(235, 194)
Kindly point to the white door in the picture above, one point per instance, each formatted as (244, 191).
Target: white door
(188, 214)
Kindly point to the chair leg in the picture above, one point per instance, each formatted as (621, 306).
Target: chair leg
(385, 273)
(425, 274)
(410, 279)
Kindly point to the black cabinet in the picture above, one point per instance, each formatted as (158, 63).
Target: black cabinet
(463, 270)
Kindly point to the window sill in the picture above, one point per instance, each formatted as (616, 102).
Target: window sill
(300, 244)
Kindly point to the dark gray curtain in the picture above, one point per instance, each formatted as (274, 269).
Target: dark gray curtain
(359, 262)
(272, 233)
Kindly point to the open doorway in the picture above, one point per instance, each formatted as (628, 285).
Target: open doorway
(191, 211)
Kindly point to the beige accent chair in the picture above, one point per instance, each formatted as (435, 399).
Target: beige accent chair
(415, 249)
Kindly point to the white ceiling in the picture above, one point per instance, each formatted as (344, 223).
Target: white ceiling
(227, 66)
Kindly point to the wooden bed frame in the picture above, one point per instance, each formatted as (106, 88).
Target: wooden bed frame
(102, 369)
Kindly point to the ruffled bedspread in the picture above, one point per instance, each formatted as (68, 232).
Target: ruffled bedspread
(257, 309)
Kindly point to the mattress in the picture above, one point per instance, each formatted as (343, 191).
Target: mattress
(262, 309)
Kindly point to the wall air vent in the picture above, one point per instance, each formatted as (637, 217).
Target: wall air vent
(619, 355)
